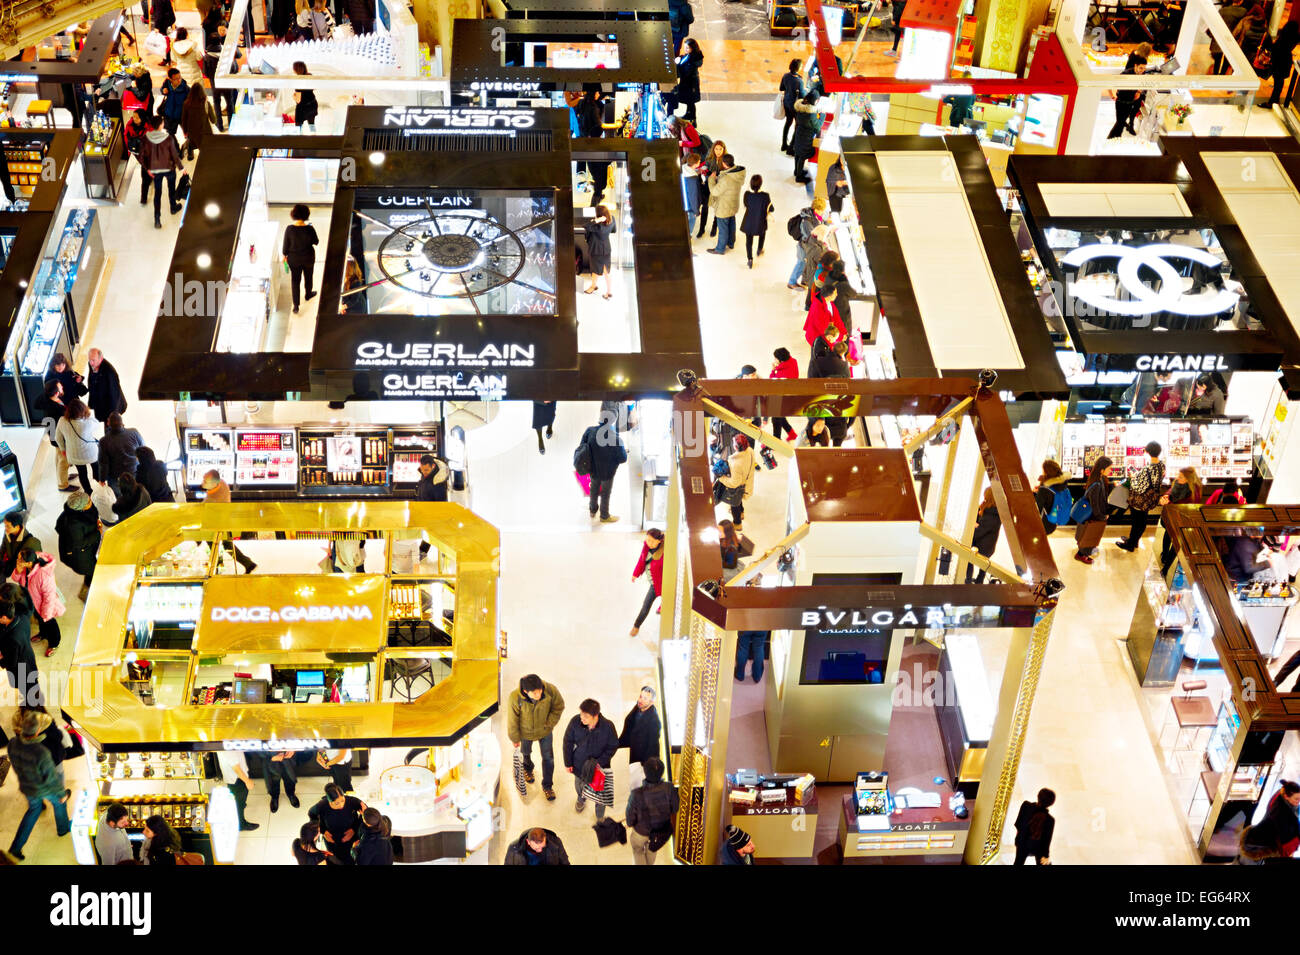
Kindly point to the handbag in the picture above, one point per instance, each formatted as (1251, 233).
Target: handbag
(72, 746)
(1118, 496)
(610, 831)
(155, 43)
(1089, 534)
(183, 187)
(520, 783)
(778, 107)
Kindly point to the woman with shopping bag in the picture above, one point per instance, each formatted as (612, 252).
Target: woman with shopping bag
(1090, 511)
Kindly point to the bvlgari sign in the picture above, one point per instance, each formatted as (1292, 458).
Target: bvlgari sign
(909, 617)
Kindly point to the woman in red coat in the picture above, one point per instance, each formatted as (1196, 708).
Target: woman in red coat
(652, 559)
(785, 366)
(822, 313)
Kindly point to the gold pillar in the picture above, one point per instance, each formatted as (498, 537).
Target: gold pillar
(673, 583)
(702, 774)
(1002, 32)
(1002, 763)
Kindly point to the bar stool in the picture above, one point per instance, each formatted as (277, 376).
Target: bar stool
(1192, 711)
(41, 107)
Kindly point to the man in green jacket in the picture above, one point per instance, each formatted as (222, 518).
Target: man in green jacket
(532, 713)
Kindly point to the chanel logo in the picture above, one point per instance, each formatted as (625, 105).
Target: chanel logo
(1141, 298)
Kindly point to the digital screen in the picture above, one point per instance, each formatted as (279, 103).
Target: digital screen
(1217, 447)
(249, 691)
(263, 440)
(311, 677)
(847, 654)
(207, 449)
(343, 452)
(563, 53)
(266, 457)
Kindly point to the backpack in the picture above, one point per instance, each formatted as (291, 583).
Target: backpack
(794, 227)
(1082, 509)
(1062, 504)
(582, 457)
(659, 816)
(706, 144)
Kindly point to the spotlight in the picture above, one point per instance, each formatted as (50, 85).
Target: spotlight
(687, 378)
(1049, 589)
(988, 378)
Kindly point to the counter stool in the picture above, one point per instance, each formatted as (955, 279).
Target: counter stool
(1192, 711)
(405, 673)
(41, 107)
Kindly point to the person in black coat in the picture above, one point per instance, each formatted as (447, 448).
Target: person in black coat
(607, 453)
(543, 419)
(105, 388)
(62, 372)
(680, 18)
(537, 847)
(687, 89)
(16, 655)
(589, 736)
(829, 361)
(164, 18)
(641, 729)
(117, 450)
(1281, 62)
(131, 497)
(1034, 827)
(791, 90)
(79, 535)
(151, 474)
(807, 124)
(362, 16)
(1128, 103)
(988, 525)
(376, 845)
(758, 204)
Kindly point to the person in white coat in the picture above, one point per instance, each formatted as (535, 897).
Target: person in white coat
(77, 435)
(739, 484)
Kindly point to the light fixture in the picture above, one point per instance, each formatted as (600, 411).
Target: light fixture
(376, 159)
(212, 210)
(203, 260)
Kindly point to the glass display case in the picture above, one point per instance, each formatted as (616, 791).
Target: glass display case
(343, 462)
(266, 457)
(1168, 626)
(1217, 447)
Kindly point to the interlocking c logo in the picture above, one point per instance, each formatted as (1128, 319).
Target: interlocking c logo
(1146, 300)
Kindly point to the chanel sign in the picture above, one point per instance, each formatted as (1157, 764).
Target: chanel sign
(1142, 281)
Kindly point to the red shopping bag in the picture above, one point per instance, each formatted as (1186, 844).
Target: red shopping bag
(584, 482)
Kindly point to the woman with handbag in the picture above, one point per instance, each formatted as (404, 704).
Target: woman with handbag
(1088, 534)
(732, 489)
(651, 561)
(687, 89)
(1143, 494)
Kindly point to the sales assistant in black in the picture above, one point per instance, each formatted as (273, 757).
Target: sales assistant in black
(641, 729)
(339, 816)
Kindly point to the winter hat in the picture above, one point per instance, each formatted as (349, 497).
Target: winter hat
(79, 501)
(737, 838)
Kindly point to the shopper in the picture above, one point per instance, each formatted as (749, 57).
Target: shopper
(758, 205)
(141, 89)
(35, 574)
(76, 436)
(1034, 826)
(1051, 484)
(355, 298)
(692, 192)
(16, 655)
(801, 229)
(641, 734)
(16, 537)
(188, 58)
(223, 100)
(537, 847)
(162, 160)
(751, 645)
(816, 434)
(1209, 396)
(73, 385)
(680, 18)
(1227, 496)
(133, 133)
(196, 119)
(792, 90)
(543, 420)
(277, 766)
(1185, 489)
(651, 807)
(1128, 103)
(607, 454)
(306, 107)
(173, 91)
(39, 779)
(432, 485)
(600, 250)
(1277, 835)
(830, 357)
(823, 321)
(112, 844)
(785, 366)
(307, 849)
(687, 89)
(1088, 534)
(532, 713)
(590, 742)
(837, 186)
(117, 450)
(338, 763)
(725, 186)
(651, 564)
(316, 22)
(988, 525)
(735, 487)
(807, 126)
(234, 773)
(730, 545)
(162, 843)
(712, 165)
(299, 249)
(131, 497)
(151, 474)
(1144, 492)
(375, 847)
(339, 816)
(738, 847)
(1251, 30)
(164, 17)
(1282, 60)
(79, 535)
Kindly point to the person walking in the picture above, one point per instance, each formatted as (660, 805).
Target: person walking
(687, 89)
(131, 497)
(35, 574)
(751, 645)
(151, 474)
(76, 437)
(725, 186)
(537, 847)
(785, 366)
(737, 848)
(590, 742)
(339, 817)
(641, 733)
(1145, 488)
(600, 251)
(39, 779)
(375, 847)
(651, 807)
(1282, 60)
(104, 392)
(196, 119)
(532, 713)
(234, 773)
(543, 419)
(117, 451)
(1088, 534)
(1185, 489)
(758, 205)
(1034, 827)
(299, 250)
(651, 563)
(1128, 103)
(607, 454)
(807, 126)
(162, 158)
(112, 844)
(807, 242)
(173, 92)
(896, 24)
(984, 541)
(737, 486)
(133, 135)
(792, 90)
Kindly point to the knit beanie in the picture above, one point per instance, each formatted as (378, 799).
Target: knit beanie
(737, 838)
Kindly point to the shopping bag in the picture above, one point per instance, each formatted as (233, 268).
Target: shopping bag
(778, 107)
(1089, 534)
(1118, 496)
(584, 482)
(155, 43)
(520, 783)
